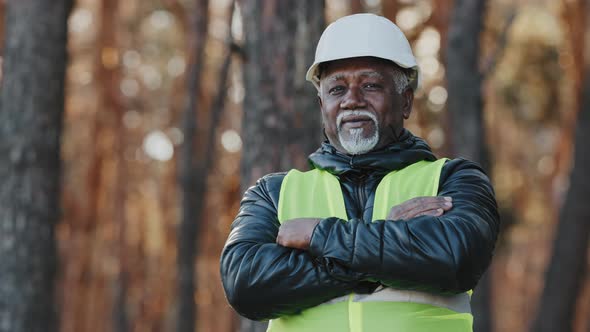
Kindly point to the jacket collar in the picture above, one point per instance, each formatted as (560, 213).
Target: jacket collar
(408, 150)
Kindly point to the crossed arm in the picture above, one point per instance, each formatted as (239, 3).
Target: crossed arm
(264, 280)
(432, 250)
(296, 233)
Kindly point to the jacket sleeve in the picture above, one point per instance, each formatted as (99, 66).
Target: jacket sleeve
(445, 254)
(263, 280)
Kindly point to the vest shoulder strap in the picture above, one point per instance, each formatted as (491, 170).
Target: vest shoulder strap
(311, 194)
(419, 179)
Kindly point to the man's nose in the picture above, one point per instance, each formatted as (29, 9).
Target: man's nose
(353, 99)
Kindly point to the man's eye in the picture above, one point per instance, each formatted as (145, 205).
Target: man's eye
(372, 86)
(336, 90)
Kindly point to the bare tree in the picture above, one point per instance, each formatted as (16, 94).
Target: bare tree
(109, 119)
(566, 270)
(465, 81)
(356, 6)
(465, 110)
(31, 110)
(390, 9)
(281, 123)
(190, 179)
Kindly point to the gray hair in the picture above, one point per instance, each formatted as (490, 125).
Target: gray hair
(401, 79)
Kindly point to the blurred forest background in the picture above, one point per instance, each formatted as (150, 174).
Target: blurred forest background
(123, 163)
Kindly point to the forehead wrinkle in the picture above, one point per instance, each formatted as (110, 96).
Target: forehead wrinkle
(371, 74)
(366, 73)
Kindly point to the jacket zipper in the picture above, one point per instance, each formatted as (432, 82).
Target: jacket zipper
(359, 191)
(360, 196)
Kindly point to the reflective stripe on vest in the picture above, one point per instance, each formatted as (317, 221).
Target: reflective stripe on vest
(459, 303)
(317, 194)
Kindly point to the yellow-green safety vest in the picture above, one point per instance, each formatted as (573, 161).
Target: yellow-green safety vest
(317, 194)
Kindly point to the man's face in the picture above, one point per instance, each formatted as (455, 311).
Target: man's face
(361, 108)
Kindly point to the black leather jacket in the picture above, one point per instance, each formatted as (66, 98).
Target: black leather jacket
(446, 254)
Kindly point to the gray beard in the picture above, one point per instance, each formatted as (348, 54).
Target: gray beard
(354, 143)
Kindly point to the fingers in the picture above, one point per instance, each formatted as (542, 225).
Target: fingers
(433, 213)
(432, 206)
(431, 203)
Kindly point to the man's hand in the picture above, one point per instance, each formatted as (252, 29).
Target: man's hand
(421, 206)
(296, 233)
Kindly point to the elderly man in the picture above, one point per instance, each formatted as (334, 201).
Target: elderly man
(379, 235)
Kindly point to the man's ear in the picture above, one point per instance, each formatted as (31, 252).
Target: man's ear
(320, 100)
(408, 102)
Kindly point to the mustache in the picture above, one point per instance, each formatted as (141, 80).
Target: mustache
(341, 116)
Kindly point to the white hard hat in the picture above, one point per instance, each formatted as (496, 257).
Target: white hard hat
(361, 35)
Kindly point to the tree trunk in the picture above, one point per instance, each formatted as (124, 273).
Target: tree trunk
(356, 6)
(466, 114)
(565, 273)
(281, 123)
(31, 104)
(442, 11)
(465, 81)
(190, 179)
(389, 9)
(109, 121)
